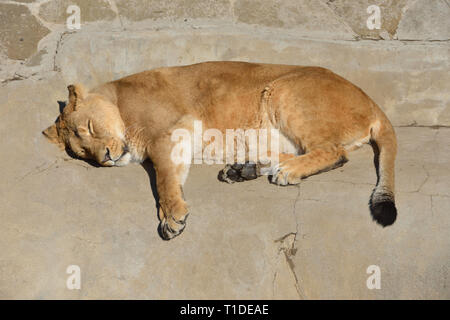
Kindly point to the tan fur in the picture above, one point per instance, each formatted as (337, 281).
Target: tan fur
(323, 115)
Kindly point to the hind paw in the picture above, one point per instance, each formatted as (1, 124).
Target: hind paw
(284, 175)
(238, 172)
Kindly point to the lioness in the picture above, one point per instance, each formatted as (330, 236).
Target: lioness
(320, 114)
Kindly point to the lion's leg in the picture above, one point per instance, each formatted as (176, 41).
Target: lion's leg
(319, 159)
(173, 211)
(170, 177)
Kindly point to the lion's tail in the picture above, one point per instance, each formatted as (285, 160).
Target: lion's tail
(384, 144)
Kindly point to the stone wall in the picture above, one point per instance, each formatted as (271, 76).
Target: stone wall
(403, 65)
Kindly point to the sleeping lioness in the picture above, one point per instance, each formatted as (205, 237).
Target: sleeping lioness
(319, 114)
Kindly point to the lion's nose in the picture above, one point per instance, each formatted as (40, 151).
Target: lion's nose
(126, 149)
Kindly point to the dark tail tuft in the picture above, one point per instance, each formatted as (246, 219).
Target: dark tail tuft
(382, 208)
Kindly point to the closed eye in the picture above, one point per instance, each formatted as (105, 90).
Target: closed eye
(91, 127)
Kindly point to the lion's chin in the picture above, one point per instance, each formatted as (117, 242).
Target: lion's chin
(123, 161)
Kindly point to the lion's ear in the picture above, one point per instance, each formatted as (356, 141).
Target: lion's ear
(77, 93)
(52, 135)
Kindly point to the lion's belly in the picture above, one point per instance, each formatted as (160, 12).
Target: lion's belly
(286, 145)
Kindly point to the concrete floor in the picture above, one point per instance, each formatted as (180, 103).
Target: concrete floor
(250, 240)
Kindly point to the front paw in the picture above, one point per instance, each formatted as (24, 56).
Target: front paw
(169, 228)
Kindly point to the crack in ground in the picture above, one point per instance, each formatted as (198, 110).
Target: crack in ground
(58, 47)
(287, 247)
(39, 169)
(15, 77)
(431, 206)
(424, 181)
(415, 125)
(46, 166)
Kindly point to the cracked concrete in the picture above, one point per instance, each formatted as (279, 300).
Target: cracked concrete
(287, 247)
(249, 240)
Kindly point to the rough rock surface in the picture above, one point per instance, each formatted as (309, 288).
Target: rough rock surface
(137, 10)
(425, 22)
(312, 19)
(19, 31)
(55, 11)
(355, 14)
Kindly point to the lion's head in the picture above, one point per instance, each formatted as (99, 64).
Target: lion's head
(91, 127)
